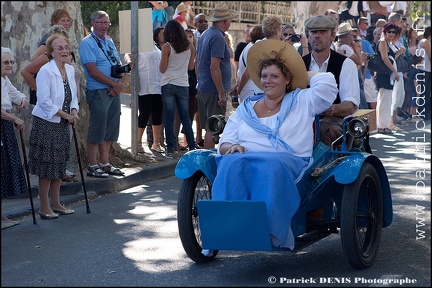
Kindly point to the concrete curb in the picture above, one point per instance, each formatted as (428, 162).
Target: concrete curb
(73, 192)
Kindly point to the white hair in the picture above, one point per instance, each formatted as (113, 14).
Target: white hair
(6, 50)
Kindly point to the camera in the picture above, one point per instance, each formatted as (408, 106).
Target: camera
(117, 70)
(295, 38)
(234, 101)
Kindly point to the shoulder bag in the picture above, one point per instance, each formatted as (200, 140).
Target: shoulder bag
(376, 63)
(404, 63)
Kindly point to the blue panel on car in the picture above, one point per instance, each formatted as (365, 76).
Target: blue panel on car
(234, 225)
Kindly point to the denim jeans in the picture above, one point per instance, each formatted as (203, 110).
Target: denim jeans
(173, 96)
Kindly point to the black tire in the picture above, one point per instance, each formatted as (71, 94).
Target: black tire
(362, 218)
(197, 187)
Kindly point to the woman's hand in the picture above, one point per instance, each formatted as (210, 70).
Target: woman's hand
(19, 123)
(24, 103)
(235, 148)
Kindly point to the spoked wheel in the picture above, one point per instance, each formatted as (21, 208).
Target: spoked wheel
(195, 188)
(362, 218)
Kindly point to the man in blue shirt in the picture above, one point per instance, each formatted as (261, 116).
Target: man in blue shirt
(214, 68)
(368, 84)
(98, 56)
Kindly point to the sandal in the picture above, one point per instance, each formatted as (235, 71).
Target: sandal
(384, 131)
(95, 171)
(156, 148)
(111, 170)
(182, 149)
(140, 149)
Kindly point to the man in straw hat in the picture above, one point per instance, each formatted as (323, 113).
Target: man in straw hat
(345, 44)
(214, 68)
(272, 134)
(323, 59)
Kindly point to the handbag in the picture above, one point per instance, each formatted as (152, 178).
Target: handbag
(404, 63)
(376, 64)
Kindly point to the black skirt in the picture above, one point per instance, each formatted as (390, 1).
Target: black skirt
(13, 182)
(49, 148)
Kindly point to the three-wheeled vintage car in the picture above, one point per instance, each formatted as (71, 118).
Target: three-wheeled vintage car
(345, 191)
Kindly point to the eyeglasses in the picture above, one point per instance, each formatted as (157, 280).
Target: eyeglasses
(61, 48)
(202, 21)
(102, 23)
(7, 62)
(391, 31)
(286, 34)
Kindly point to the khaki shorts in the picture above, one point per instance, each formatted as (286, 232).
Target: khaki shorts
(208, 106)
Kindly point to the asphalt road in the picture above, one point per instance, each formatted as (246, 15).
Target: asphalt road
(130, 238)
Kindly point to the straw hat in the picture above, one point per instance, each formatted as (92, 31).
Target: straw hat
(291, 59)
(344, 28)
(181, 8)
(221, 13)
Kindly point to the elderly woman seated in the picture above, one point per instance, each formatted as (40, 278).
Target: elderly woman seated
(267, 143)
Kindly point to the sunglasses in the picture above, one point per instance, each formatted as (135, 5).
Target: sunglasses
(286, 34)
(202, 21)
(7, 62)
(391, 31)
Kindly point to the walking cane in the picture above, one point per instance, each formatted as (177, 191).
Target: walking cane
(81, 170)
(27, 174)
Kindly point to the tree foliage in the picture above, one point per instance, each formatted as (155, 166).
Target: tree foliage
(111, 7)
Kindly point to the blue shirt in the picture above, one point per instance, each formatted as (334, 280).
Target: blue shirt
(367, 48)
(212, 44)
(90, 52)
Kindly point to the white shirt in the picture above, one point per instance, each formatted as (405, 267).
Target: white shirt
(177, 69)
(51, 93)
(149, 73)
(426, 63)
(9, 94)
(249, 88)
(345, 50)
(349, 87)
(296, 129)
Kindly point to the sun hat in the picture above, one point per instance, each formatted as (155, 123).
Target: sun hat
(269, 48)
(344, 28)
(221, 13)
(181, 8)
(321, 22)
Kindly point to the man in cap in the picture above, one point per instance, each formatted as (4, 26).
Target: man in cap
(214, 68)
(322, 32)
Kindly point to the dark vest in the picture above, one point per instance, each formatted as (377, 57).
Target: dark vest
(334, 66)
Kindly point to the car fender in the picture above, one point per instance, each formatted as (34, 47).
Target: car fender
(348, 170)
(197, 160)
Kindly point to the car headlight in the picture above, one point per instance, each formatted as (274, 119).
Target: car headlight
(358, 127)
(215, 124)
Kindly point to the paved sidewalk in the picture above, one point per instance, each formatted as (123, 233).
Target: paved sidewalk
(158, 167)
(72, 192)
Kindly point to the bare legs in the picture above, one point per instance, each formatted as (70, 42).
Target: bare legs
(103, 149)
(45, 187)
